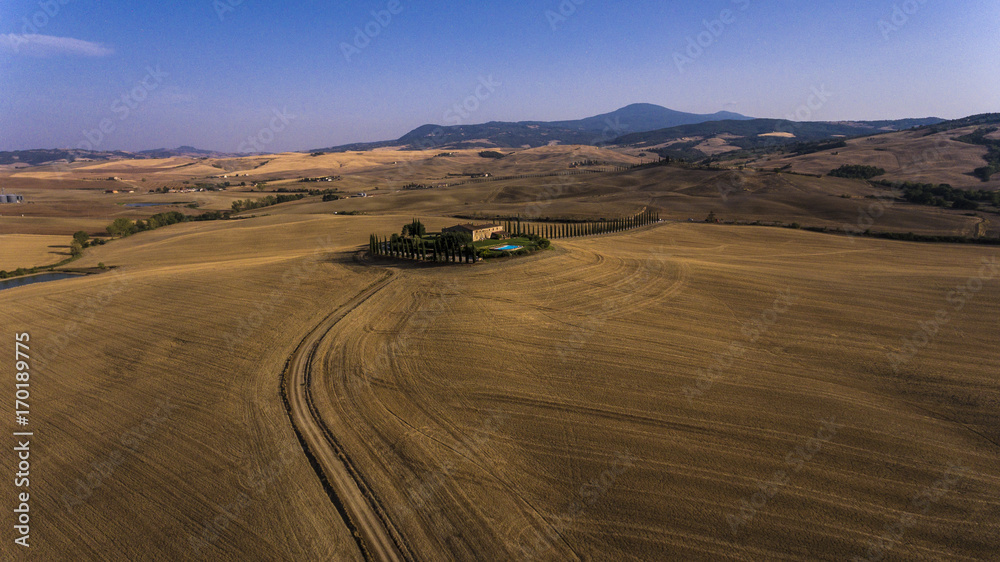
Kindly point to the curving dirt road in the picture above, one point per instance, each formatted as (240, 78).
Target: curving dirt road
(375, 535)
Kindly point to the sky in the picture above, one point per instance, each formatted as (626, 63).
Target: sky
(252, 75)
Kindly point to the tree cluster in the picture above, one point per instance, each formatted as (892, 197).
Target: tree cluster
(249, 204)
(855, 171)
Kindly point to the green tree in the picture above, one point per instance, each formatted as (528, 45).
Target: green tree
(414, 228)
(75, 249)
(81, 237)
(122, 227)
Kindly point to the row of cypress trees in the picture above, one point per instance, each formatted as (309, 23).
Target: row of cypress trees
(572, 230)
(443, 249)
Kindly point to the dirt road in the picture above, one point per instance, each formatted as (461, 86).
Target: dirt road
(373, 531)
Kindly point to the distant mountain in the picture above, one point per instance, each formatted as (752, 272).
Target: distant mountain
(599, 129)
(760, 133)
(641, 117)
(40, 156)
(43, 156)
(184, 151)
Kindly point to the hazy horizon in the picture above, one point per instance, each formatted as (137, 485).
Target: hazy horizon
(214, 74)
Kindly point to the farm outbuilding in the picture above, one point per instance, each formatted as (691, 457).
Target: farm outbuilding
(11, 199)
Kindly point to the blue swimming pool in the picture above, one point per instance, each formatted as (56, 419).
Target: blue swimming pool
(506, 248)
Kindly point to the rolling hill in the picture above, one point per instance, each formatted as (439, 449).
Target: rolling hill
(599, 129)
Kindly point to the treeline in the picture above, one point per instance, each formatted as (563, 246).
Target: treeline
(941, 195)
(992, 155)
(802, 148)
(449, 247)
(572, 230)
(122, 226)
(854, 171)
(250, 204)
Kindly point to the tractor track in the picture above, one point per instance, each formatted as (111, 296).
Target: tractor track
(376, 536)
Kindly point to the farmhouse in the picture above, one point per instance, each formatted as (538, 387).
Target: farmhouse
(477, 231)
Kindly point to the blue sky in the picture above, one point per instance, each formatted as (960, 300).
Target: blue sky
(213, 73)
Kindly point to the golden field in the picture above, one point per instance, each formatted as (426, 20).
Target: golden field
(27, 250)
(679, 391)
(575, 404)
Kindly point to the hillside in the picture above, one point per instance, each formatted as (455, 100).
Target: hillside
(939, 153)
(694, 141)
(599, 129)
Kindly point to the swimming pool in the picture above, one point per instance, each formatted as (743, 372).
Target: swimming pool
(506, 248)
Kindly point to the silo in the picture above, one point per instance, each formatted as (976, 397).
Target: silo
(7, 199)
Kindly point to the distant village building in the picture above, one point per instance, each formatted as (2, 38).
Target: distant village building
(5, 199)
(477, 231)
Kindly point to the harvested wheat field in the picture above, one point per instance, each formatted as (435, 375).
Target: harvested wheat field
(577, 404)
(28, 250)
(626, 397)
